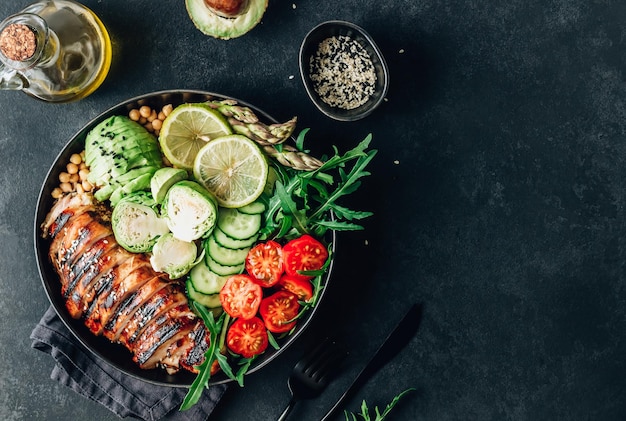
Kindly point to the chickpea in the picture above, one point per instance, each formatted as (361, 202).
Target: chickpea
(152, 116)
(57, 192)
(161, 115)
(76, 159)
(167, 109)
(86, 185)
(145, 111)
(79, 188)
(83, 166)
(134, 114)
(157, 124)
(66, 187)
(82, 174)
(64, 177)
(142, 121)
(72, 168)
(74, 178)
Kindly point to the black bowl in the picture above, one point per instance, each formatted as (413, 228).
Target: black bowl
(114, 354)
(336, 28)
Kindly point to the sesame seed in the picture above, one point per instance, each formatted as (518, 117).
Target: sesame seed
(342, 72)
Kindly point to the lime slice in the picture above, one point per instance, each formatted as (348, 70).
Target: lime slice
(233, 168)
(187, 129)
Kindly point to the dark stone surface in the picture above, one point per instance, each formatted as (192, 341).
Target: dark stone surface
(498, 194)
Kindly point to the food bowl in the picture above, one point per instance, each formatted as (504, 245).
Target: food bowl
(114, 354)
(343, 70)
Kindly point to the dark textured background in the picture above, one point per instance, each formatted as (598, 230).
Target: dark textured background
(498, 194)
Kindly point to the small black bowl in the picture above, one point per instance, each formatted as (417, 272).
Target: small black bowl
(308, 49)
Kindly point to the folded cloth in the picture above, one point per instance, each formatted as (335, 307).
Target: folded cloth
(85, 373)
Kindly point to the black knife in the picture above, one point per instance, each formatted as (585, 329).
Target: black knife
(401, 335)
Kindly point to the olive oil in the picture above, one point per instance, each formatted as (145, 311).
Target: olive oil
(72, 59)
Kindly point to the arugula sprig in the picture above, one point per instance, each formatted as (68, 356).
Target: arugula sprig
(308, 201)
(365, 413)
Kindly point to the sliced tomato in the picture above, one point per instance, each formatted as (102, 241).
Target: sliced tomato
(241, 296)
(247, 337)
(303, 253)
(264, 263)
(279, 311)
(301, 287)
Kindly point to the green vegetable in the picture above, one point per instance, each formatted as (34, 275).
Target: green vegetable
(121, 155)
(304, 202)
(225, 28)
(190, 210)
(163, 179)
(173, 256)
(206, 282)
(136, 223)
(210, 301)
(379, 417)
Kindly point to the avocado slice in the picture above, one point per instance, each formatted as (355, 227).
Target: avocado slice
(225, 28)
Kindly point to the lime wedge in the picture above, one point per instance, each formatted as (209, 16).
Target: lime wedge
(233, 168)
(187, 129)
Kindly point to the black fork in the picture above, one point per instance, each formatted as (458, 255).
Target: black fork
(313, 372)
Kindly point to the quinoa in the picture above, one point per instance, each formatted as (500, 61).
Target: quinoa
(342, 72)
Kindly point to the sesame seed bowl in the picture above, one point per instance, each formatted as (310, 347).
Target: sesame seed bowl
(343, 70)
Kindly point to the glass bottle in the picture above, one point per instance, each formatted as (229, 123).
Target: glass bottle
(54, 50)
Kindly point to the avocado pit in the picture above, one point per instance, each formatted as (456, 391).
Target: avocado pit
(227, 8)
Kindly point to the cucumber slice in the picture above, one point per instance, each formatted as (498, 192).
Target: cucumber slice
(231, 243)
(206, 281)
(237, 225)
(207, 300)
(223, 255)
(252, 208)
(222, 270)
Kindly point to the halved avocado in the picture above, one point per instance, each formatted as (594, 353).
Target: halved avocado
(225, 28)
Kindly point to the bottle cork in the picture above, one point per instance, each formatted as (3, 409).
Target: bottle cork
(18, 42)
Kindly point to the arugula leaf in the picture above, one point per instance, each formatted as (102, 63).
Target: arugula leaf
(305, 202)
(350, 416)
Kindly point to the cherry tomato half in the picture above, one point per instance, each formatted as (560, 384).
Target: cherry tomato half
(303, 253)
(247, 337)
(264, 262)
(279, 310)
(241, 296)
(301, 287)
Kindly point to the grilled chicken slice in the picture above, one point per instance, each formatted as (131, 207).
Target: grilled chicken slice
(130, 305)
(89, 286)
(159, 303)
(151, 346)
(126, 279)
(118, 293)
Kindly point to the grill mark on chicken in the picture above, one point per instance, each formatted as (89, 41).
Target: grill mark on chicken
(62, 246)
(123, 284)
(169, 297)
(89, 286)
(160, 331)
(85, 262)
(102, 288)
(130, 305)
(117, 293)
(199, 339)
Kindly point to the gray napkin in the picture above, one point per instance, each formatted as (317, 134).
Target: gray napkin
(90, 376)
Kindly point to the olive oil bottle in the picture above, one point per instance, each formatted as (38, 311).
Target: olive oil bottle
(54, 50)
